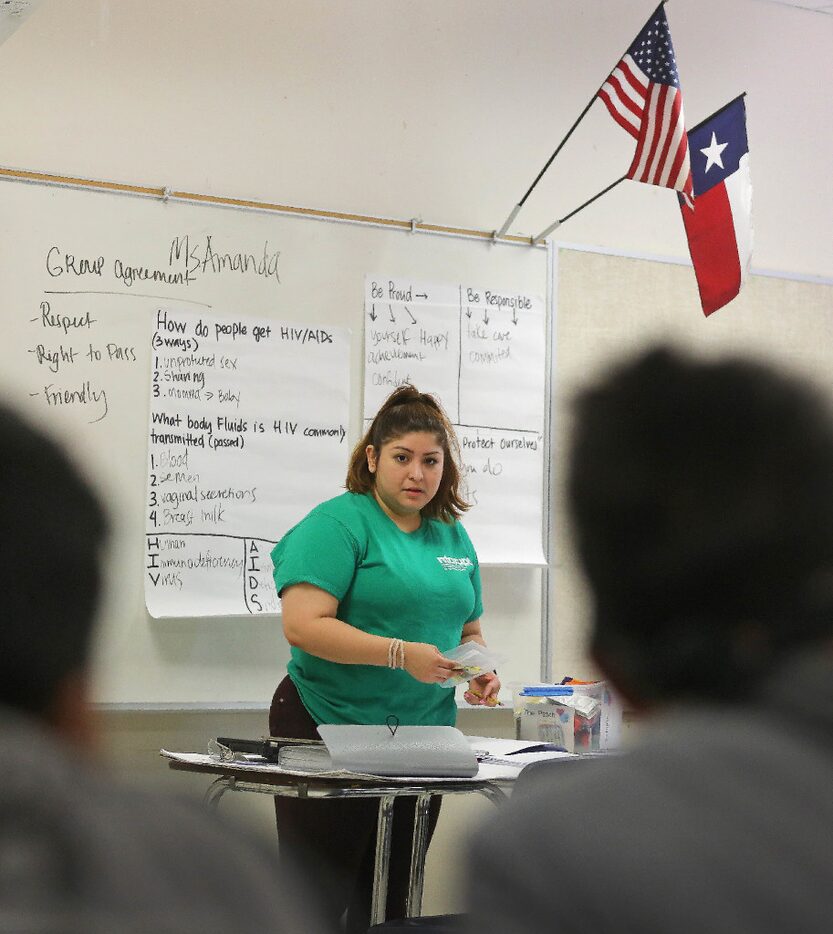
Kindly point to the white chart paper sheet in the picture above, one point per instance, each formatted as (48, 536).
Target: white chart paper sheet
(247, 432)
(482, 352)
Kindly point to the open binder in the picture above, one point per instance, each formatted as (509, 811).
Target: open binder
(437, 751)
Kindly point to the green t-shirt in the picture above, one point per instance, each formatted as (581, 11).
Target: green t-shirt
(421, 586)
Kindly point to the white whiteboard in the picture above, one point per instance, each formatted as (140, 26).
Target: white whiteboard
(83, 273)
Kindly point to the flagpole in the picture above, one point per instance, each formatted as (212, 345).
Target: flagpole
(556, 224)
(499, 233)
(545, 233)
(520, 204)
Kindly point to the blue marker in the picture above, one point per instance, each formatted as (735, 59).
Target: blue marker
(547, 691)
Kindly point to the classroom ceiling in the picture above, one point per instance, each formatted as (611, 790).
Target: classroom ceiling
(812, 6)
(12, 14)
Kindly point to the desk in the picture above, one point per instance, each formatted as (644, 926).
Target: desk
(491, 781)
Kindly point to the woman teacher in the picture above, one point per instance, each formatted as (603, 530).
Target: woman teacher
(375, 585)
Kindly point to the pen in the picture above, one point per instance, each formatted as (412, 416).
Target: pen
(539, 747)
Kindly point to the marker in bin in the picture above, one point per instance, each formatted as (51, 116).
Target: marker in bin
(548, 690)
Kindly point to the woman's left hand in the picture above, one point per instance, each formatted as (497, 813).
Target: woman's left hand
(483, 690)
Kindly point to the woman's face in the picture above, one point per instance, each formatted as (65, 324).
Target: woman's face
(407, 472)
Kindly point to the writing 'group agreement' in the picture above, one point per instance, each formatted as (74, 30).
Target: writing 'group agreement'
(247, 432)
(482, 351)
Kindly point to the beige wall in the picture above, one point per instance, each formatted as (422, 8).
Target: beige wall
(613, 305)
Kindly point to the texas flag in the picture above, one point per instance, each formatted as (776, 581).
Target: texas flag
(719, 226)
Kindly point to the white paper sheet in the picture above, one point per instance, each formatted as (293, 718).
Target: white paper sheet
(500, 769)
(482, 352)
(247, 432)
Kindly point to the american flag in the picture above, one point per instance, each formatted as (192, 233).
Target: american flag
(643, 96)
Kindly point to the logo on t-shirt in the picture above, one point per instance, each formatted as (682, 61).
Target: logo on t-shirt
(454, 564)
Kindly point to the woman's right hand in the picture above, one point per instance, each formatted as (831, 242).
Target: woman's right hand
(425, 663)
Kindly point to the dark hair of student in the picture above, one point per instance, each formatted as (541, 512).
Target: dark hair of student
(701, 496)
(406, 410)
(52, 530)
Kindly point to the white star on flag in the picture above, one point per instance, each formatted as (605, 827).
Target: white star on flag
(713, 152)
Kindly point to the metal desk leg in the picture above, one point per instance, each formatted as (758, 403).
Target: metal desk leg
(496, 795)
(380, 870)
(216, 790)
(413, 907)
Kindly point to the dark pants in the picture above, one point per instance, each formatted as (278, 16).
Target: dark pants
(334, 841)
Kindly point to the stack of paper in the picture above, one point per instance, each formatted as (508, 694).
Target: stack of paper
(305, 758)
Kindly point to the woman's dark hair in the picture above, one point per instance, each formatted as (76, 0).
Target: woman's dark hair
(405, 410)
